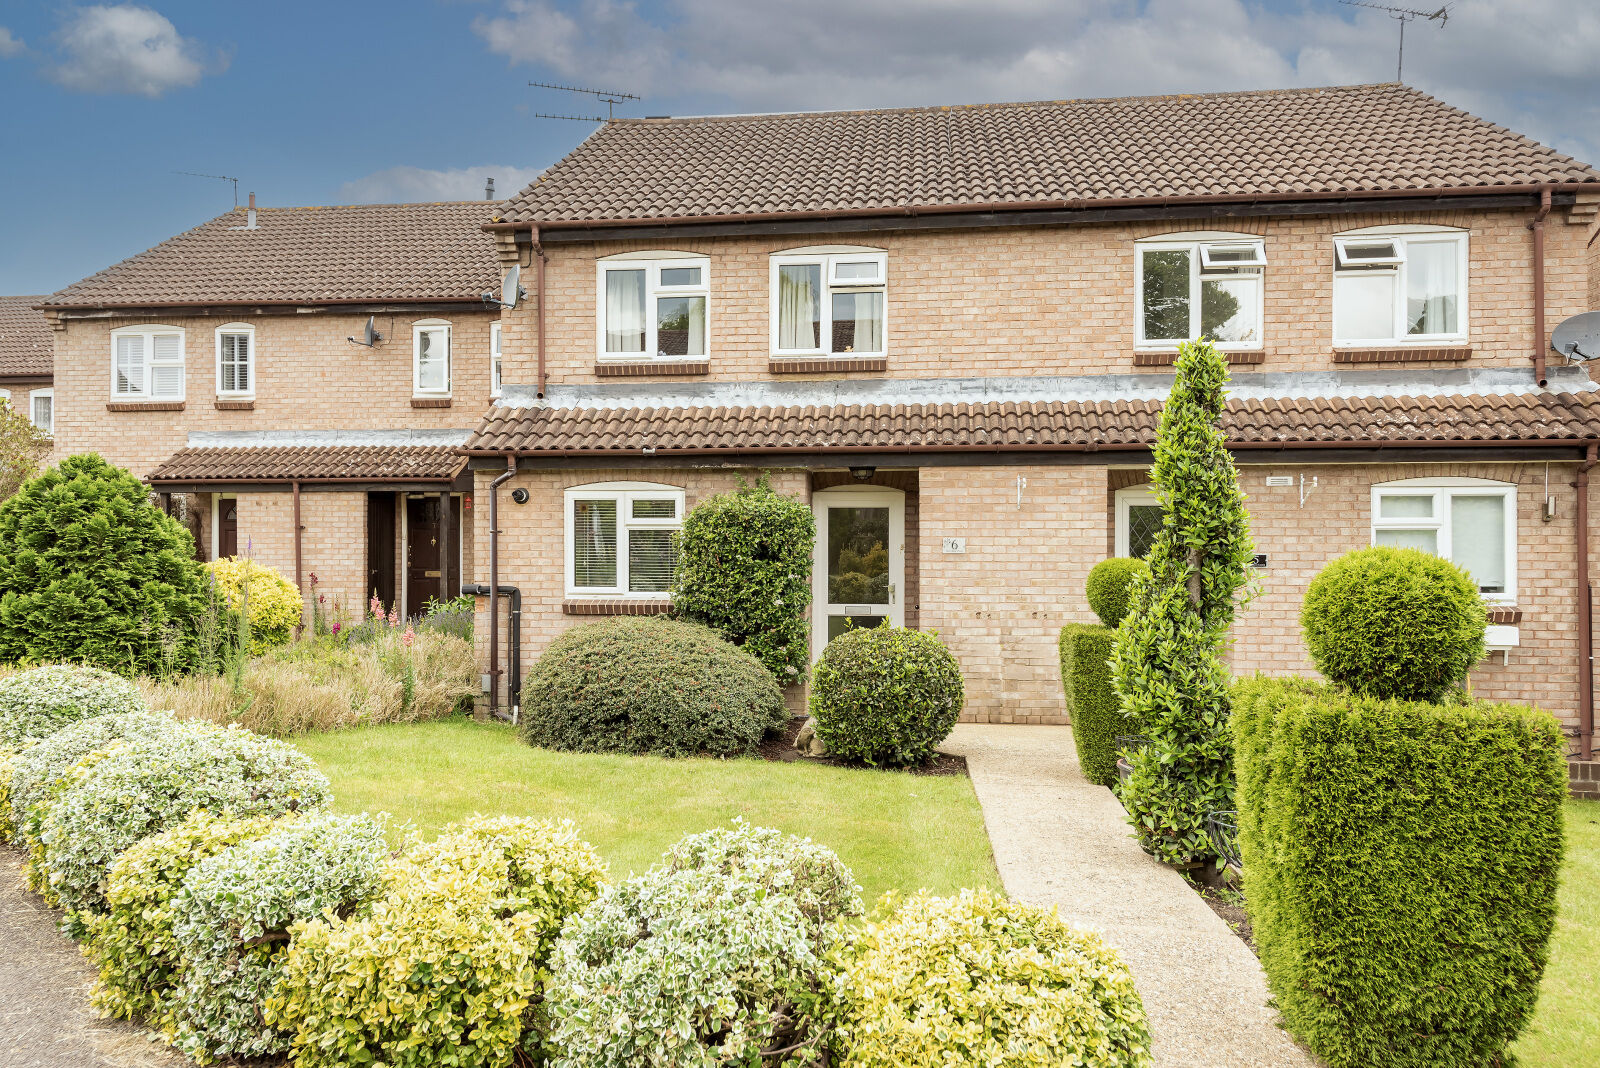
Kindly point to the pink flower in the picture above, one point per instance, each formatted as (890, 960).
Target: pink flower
(336, 628)
(408, 637)
(313, 578)
(376, 607)
(322, 598)
(394, 617)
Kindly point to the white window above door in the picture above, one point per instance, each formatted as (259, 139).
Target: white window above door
(147, 363)
(829, 301)
(1203, 284)
(430, 349)
(653, 306)
(42, 409)
(1398, 285)
(236, 360)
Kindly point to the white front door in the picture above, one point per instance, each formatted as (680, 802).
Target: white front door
(858, 568)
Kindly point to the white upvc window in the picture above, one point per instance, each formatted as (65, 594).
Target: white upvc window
(147, 363)
(1138, 519)
(1207, 284)
(42, 409)
(829, 301)
(1400, 285)
(620, 539)
(653, 306)
(494, 360)
(1470, 522)
(430, 358)
(236, 360)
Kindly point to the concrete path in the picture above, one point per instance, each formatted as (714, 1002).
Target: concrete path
(45, 1018)
(1060, 840)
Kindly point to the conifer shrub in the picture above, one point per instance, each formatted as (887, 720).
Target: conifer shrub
(232, 922)
(91, 572)
(981, 979)
(1110, 587)
(1092, 704)
(1401, 864)
(272, 601)
(886, 695)
(1388, 622)
(649, 685)
(40, 701)
(455, 953)
(744, 570)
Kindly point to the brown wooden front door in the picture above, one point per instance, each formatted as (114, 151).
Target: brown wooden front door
(227, 527)
(382, 537)
(429, 575)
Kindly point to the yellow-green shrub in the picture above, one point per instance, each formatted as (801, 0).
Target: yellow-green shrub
(7, 755)
(449, 966)
(132, 943)
(981, 979)
(275, 605)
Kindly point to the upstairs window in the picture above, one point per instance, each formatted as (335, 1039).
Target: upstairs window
(147, 363)
(1470, 522)
(1201, 286)
(653, 308)
(42, 410)
(236, 360)
(620, 538)
(430, 346)
(1393, 287)
(494, 360)
(829, 302)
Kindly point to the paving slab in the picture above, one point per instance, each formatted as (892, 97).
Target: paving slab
(1061, 840)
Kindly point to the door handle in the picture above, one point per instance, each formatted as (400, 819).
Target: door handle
(891, 593)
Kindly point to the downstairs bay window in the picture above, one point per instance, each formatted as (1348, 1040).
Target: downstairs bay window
(1470, 522)
(619, 539)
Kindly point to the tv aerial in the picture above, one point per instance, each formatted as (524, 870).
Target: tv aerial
(605, 96)
(1404, 15)
(1578, 338)
(369, 336)
(511, 291)
(218, 177)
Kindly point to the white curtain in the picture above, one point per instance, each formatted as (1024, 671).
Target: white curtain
(624, 311)
(1431, 287)
(865, 313)
(799, 305)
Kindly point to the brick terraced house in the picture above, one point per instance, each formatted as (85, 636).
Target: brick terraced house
(230, 367)
(947, 328)
(27, 355)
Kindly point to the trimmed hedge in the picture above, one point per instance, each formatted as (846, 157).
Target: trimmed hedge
(1386, 622)
(649, 685)
(886, 695)
(1110, 587)
(39, 702)
(1092, 703)
(1400, 868)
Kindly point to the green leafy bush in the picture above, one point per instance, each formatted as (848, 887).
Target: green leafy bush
(91, 572)
(744, 570)
(132, 943)
(649, 685)
(1387, 622)
(273, 601)
(452, 959)
(1400, 863)
(1092, 703)
(145, 786)
(688, 966)
(234, 914)
(886, 695)
(40, 701)
(1167, 664)
(811, 874)
(8, 757)
(980, 979)
(1110, 587)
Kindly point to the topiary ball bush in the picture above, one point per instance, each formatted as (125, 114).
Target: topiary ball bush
(40, 701)
(1394, 623)
(649, 685)
(981, 979)
(886, 695)
(1110, 587)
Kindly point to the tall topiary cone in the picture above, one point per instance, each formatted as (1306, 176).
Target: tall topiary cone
(1167, 664)
(91, 572)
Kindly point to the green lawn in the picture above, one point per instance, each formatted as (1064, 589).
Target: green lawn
(896, 831)
(1566, 1025)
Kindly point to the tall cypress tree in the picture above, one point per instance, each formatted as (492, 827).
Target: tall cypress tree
(91, 572)
(1167, 664)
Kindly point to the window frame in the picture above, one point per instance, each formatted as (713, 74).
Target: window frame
(1195, 245)
(1403, 237)
(149, 332)
(1443, 491)
(624, 494)
(49, 393)
(827, 258)
(652, 263)
(418, 328)
(1126, 498)
(496, 359)
(250, 360)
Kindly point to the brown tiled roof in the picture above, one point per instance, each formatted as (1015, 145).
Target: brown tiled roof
(368, 252)
(1357, 421)
(1279, 144)
(27, 345)
(284, 463)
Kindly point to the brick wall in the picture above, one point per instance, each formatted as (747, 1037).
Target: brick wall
(1057, 300)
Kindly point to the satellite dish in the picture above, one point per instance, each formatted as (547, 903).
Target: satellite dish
(511, 290)
(1578, 338)
(369, 336)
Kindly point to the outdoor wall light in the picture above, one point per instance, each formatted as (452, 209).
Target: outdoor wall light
(519, 495)
(863, 474)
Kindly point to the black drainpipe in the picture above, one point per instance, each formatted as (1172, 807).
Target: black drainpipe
(513, 643)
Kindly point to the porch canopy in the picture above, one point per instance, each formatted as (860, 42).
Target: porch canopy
(416, 460)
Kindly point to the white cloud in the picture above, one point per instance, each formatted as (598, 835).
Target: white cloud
(9, 45)
(128, 49)
(408, 185)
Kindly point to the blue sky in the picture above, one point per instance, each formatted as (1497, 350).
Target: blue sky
(342, 101)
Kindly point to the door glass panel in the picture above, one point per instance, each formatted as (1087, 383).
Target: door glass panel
(1144, 522)
(858, 555)
(837, 625)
